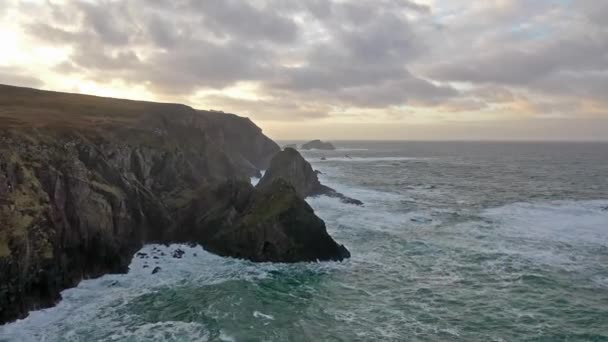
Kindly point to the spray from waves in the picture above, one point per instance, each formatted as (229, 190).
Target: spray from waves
(256, 180)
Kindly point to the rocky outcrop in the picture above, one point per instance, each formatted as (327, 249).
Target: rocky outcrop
(318, 145)
(273, 224)
(85, 182)
(290, 166)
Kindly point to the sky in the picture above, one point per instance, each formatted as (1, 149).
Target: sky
(331, 69)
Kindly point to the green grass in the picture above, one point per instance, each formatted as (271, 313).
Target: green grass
(25, 107)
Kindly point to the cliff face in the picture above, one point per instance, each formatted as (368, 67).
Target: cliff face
(86, 181)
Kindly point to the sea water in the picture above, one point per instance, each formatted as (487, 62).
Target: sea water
(457, 241)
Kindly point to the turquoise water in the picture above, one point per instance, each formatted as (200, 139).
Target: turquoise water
(456, 242)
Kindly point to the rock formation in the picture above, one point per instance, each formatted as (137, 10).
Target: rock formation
(292, 167)
(86, 181)
(272, 224)
(318, 145)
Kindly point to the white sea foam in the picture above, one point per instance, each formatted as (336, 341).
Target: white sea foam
(560, 221)
(256, 180)
(163, 331)
(567, 234)
(258, 314)
(95, 303)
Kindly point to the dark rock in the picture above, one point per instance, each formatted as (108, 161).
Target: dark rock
(271, 224)
(323, 158)
(292, 167)
(294, 146)
(146, 266)
(142, 255)
(318, 145)
(156, 270)
(178, 253)
(194, 254)
(155, 257)
(318, 172)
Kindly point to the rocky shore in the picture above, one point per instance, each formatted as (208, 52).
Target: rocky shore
(86, 181)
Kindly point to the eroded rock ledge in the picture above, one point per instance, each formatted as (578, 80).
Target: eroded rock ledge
(85, 182)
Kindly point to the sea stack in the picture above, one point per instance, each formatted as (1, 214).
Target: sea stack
(318, 145)
(290, 166)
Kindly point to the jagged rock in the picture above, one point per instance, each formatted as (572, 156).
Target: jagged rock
(178, 253)
(292, 167)
(318, 145)
(156, 270)
(271, 224)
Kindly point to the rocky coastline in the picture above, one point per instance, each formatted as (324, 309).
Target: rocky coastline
(86, 181)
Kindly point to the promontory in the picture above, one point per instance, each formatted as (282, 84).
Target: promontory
(86, 181)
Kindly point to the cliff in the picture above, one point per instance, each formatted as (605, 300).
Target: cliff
(86, 181)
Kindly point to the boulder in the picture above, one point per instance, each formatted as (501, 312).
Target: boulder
(318, 145)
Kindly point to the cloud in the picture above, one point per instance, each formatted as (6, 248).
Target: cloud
(317, 59)
(20, 78)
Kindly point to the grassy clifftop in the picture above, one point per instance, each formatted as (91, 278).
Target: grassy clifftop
(38, 108)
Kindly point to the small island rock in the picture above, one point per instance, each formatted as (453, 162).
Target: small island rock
(318, 145)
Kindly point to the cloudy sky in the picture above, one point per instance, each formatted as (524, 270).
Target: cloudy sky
(334, 69)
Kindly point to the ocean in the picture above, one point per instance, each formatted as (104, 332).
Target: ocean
(457, 241)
